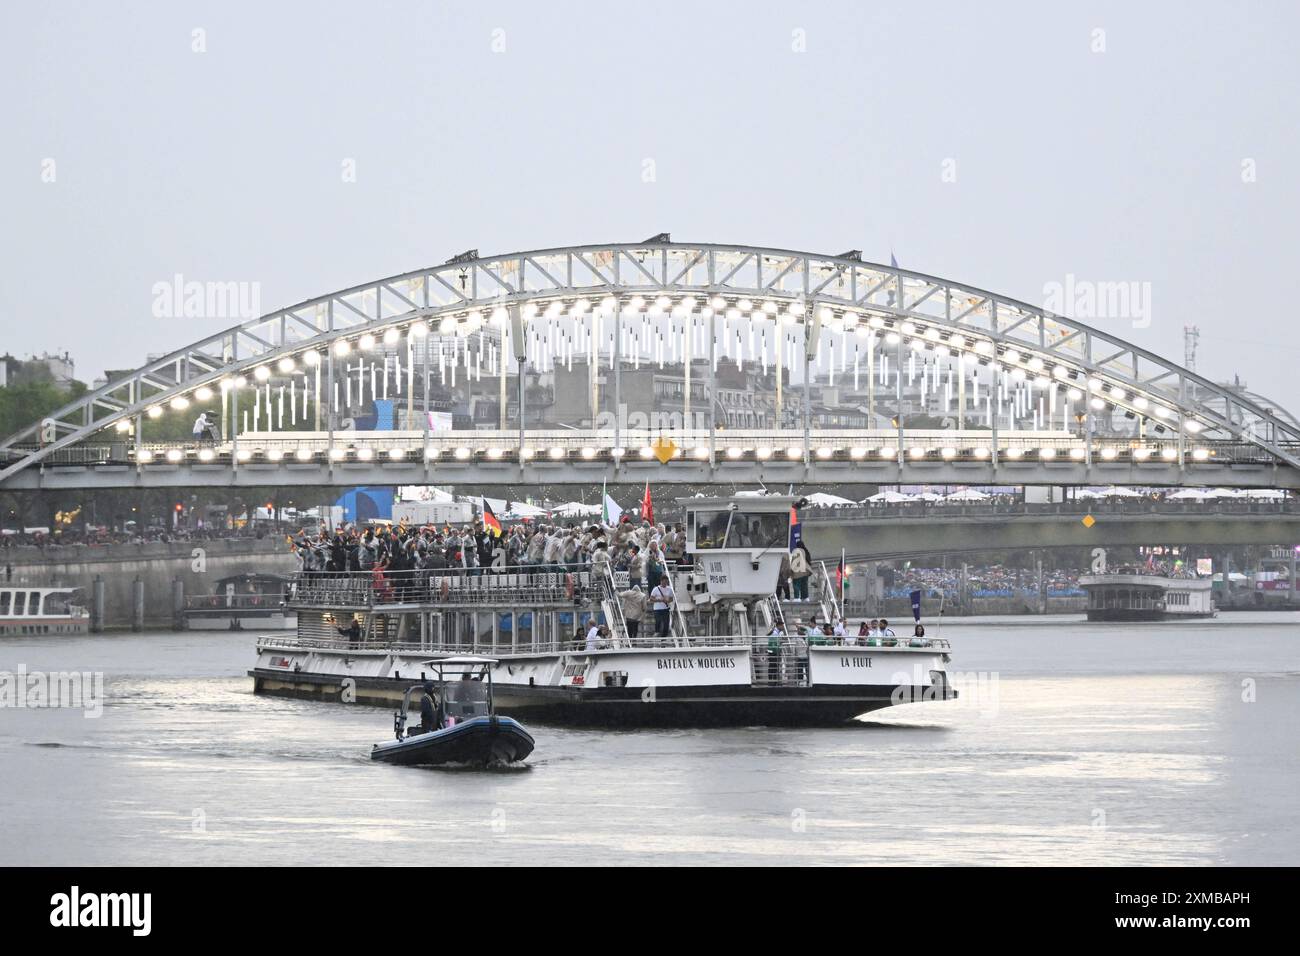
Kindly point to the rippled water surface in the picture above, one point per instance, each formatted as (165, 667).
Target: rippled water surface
(1073, 743)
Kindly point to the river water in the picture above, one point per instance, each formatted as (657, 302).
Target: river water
(1073, 744)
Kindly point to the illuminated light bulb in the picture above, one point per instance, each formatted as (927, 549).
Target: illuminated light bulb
(303, 454)
(244, 454)
(1201, 454)
(145, 455)
(745, 305)
(688, 303)
(893, 338)
(286, 365)
(366, 342)
(949, 452)
(365, 454)
(391, 336)
(734, 452)
(1141, 454)
(617, 452)
(175, 454)
(180, 403)
(701, 452)
(1118, 393)
(1011, 355)
(1077, 454)
(431, 454)
(447, 325)
(274, 454)
(1014, 453)
(718, 303)
(825, 452)
(609, 303)
(636, 303)
(1035, 364)
(337, 454)
(526, 454)
(589, 453)
(206, 454)
(1096, 404)
(1074, 394)
(1109, 454)
(341, 347)
(663, 302)
(1168, 454)
(982, 452)
(261, 373)
(792, 453)
(770, 307)
(530, 310)
(500, 316)
(762, 453)
(1047, 454)
(877, 322)
(886, 452)
(557, 453)
(858, 452)
(908, 328)
(579, 306)
(1140, 403)
(203, 394)
(932, 335)
(462, 453)
(983, 348)
(917, 453)
(494, 453)
(1192, 426)
(647, 451)
(397, 454)
(418, 329)
(1059, 372)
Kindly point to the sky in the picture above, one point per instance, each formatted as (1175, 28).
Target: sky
(300, 148)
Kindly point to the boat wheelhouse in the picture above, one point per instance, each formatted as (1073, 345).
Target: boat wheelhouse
(726, 656)
(41, 610)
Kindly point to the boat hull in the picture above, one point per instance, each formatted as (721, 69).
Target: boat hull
(682, 706)
(236, 620)
(1144, 614)
(478, 741)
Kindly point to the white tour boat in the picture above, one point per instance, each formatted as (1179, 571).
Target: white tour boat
(718, 664)
(41, 610)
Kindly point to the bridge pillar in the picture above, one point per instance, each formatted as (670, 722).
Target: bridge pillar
(97, 605)
(137, 605)
(178, 603)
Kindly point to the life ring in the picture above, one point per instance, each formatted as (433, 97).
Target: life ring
(568, 585)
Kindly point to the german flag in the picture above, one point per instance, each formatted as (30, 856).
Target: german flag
(490, 521)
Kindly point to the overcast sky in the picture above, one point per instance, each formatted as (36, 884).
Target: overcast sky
(1007, 145)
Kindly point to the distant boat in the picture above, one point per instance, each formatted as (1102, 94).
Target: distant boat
(254, 601)
(36, 610)
(467, 727)
(1134, 594)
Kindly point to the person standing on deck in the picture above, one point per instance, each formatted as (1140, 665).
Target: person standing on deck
(663, 598)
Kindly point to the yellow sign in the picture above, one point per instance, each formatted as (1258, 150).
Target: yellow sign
(1089, 521)
(664, 449)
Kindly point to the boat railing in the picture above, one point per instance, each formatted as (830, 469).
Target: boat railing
(792, 647)
(230, 602)
(506, 587)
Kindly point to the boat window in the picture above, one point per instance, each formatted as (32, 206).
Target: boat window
(763, 530)
(34, 602)
(711, 528)
(5, 598)
(20, 602)
(60, 602)
(466, 691)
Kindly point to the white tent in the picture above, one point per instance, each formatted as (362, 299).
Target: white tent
(929, 496)
(820, 499)
(1190, 494)
(889, 498)
(1272, 494)
(967, 494)
(520, 510)
(1226, 493)
(576, 508)
(1117, 491)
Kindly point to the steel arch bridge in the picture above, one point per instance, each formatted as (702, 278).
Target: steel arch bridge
(1036, 398)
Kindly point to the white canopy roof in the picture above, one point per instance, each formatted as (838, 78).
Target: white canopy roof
(890, 497)
(820, 499)
(576, 508)
(968, 494)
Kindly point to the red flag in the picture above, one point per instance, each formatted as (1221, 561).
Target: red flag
(647, 506)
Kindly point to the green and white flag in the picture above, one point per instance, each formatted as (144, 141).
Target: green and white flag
(610, 511)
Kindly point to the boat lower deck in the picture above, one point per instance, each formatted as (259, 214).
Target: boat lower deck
(663, 706)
